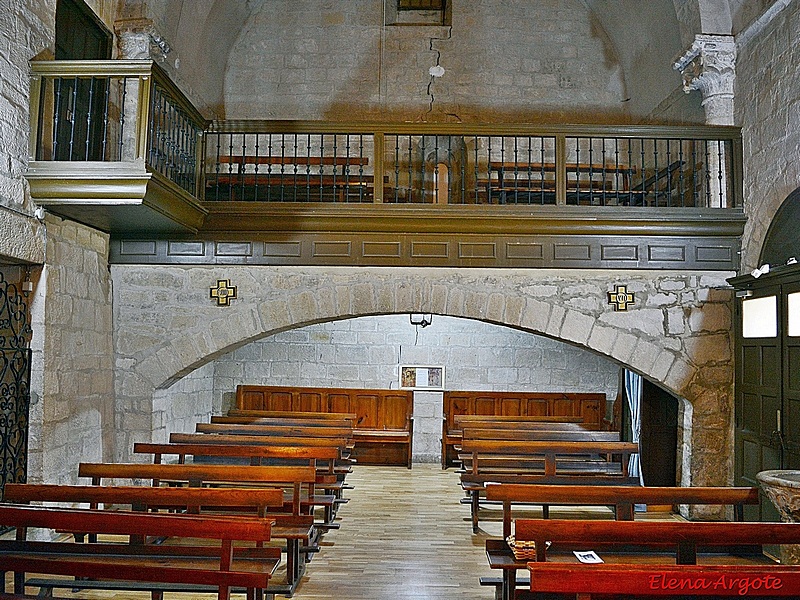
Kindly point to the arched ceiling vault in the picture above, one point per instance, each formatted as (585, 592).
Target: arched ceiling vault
(643, 37)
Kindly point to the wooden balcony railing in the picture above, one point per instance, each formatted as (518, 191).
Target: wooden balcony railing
(268, 161)
(115, 111)
(116, 145)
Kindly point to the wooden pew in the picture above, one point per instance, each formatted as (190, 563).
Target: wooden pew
(655, 542)
(195, 500)
(295, 178)
(189, 568)
(462, 405)
(289, 414)
(542, 461)
(384, 426)
(637, 581)
(330, 475)
(261, 440)
(534, 434)
(621, 498)
(318, 431)
(284, 421)
(295, 522)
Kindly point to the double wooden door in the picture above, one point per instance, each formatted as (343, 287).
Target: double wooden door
(767, 395)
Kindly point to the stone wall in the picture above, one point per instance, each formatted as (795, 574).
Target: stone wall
(187, 402)
(503, 61)
(74, 319)
(366, 352)
(26, 28)
(768, 108)
(677, 333)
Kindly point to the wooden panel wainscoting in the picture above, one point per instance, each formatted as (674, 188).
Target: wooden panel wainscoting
(589, 407)
(383, 428)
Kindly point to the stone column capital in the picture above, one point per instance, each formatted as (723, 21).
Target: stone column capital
(138, 39)
(709, 66)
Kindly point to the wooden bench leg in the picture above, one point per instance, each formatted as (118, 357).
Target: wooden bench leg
(509, 583)
(474, 509)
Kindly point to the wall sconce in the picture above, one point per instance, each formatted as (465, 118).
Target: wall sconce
(744, 293)
(420, 319)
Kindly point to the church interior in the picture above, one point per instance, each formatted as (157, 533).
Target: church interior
(554, 240)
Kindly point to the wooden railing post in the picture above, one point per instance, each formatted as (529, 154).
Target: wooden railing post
(377, 161)
(561, 170)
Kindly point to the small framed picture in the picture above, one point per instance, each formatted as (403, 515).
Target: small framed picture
(420, 377)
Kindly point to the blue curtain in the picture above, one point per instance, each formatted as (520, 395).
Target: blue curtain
(633, 391)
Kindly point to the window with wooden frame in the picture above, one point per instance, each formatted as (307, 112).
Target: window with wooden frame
(417, 12)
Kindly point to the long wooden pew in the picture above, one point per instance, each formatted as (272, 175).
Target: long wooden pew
(318, 431)
(215, 501)
(554, 433)
(384, 426)
(655, 542)
(461, 406)
(583, 582)
(330, 473)
(269, 414)
(295, 522)
(621, 498)
(159, 568)
(542, 462)
(259, 440)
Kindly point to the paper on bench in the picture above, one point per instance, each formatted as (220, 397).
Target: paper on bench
(588, 557)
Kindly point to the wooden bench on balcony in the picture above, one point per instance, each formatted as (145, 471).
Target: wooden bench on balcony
(291, 179)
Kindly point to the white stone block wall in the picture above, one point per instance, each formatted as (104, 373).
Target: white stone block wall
(339, 62)
(185, 403)
(73, 337)
(367, 352)
(678, 333)
(767, 105)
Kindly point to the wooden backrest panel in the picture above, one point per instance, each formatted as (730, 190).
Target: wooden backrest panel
(373, 408)
(733, 581)
(144, 495)
(591, 407)
(237, 473)
(258, 440)
(243, 450)
(711, 533)
(133, 523)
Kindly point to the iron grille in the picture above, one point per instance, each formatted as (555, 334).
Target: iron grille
(15, 370)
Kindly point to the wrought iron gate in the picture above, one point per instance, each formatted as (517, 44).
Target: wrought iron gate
(15, 376)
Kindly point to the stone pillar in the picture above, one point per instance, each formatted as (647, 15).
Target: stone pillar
(136, 40)
(710, 67)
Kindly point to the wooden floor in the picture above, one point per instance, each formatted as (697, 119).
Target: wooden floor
(403, 535)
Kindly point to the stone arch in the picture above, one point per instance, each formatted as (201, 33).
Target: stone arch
(781, 243)
(679, 334)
